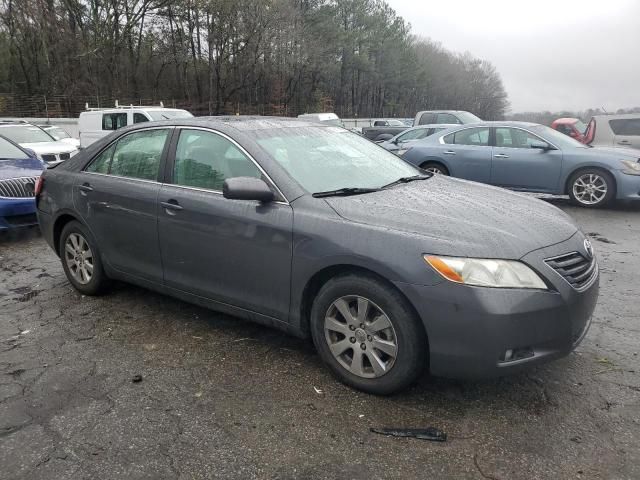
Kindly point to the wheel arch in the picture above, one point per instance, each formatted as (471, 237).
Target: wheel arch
(322, 276)
(59, 224)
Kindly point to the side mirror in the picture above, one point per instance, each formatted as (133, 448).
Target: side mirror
(542, 146)
(247, 188)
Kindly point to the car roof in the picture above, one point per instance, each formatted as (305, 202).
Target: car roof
(570, 120)
(236, 122)
(499, 123)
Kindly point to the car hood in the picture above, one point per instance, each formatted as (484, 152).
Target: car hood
(44, 148)
(28, 167)
(623, 153)
(461, 218)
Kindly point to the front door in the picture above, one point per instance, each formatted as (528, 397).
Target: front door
(468, 154)
(518, 166)
(117, 196)
(233, 251)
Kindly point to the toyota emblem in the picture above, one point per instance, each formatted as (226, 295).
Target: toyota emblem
(588, 247)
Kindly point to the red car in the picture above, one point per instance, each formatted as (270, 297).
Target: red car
(573, 127)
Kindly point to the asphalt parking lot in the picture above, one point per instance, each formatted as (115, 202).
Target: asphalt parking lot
(223, 398)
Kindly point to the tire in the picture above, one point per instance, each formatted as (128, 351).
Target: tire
(81, 260)
(435, 167)
(591, 188)
(330, 329)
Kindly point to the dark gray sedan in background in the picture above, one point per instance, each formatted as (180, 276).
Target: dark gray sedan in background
(530, 157)
(319, 232)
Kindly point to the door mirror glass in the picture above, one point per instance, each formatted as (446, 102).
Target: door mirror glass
(247, 188)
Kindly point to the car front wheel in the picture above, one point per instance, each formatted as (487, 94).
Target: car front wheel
(591, 188)
(433, 167)
(368, 334)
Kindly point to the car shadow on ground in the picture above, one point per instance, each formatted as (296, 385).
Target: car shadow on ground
(523, 391)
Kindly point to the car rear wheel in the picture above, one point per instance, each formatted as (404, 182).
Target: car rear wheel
(81, 260)
(368, 334)
(591, 188)
(434, 168)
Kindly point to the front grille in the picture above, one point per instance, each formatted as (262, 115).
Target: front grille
(49, 158)
(574, 268)
(18, 187)
(65, 156)
(21, 220)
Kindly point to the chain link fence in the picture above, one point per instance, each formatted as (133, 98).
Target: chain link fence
(17, 105)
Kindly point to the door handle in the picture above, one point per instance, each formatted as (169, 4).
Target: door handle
(171, 206)
(500, 155)
(449, 152)
(85, 188)
(624, 142)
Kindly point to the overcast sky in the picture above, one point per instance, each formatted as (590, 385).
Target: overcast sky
(551, 54)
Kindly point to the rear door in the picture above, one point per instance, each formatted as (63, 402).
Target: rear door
(626, 131)
(233, 251)
(117, 195)
(518, 166)
(468, 154)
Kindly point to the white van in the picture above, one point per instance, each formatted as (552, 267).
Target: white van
(96, 123)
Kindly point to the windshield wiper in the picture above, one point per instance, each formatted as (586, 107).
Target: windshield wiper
(407, 180)
(345, 192)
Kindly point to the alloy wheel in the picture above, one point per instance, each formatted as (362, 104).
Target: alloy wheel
(79, 258)
(590, 189)
(360, 336)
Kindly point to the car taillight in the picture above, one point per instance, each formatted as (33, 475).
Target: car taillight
(38, 188)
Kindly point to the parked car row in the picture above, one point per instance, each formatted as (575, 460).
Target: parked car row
(380, 133)
(38, 140)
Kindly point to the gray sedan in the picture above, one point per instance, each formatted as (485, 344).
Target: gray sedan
(321, 233)
(532, 158)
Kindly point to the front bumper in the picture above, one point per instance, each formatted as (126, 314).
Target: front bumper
(627, 186)
(17, 212)
(471, 330)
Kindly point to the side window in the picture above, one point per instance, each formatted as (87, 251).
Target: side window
(515, 138)
(412, 135)
(471, 136)
(625, 126)
(447, 118)
(139, 118)
(449, 139)
(138, 155)
(102, 162)
(205, 159)
(114, 121)
(426, 119)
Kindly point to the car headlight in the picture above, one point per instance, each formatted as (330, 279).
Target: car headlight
(401, 151)
(631, 167)
(486, 272)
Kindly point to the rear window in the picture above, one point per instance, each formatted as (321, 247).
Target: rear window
(114, 121)
(625, 126)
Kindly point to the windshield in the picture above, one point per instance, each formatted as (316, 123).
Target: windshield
(467, 117)
(168, 114)
(322, 159)
(57, 132)
(580, 126)
(25, 134)
(558, 139)
(10, 151)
